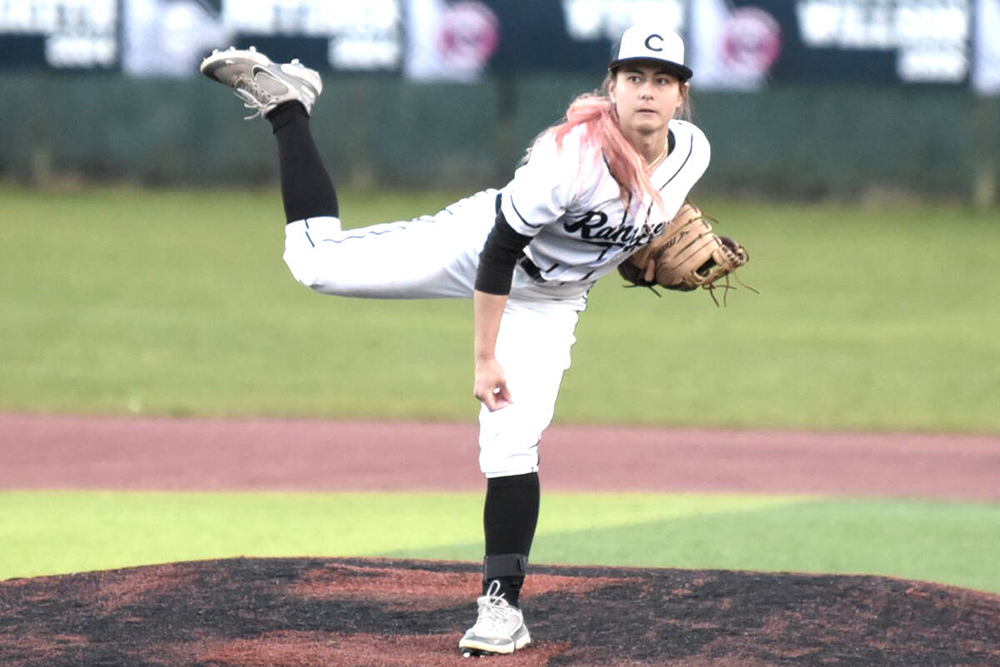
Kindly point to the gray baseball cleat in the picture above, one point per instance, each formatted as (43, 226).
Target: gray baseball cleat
(260, 83)
(499, 628)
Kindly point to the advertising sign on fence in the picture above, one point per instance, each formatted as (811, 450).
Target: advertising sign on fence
(733, 44)
(986, 71)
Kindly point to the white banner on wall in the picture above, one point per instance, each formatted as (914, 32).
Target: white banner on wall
(730, 48)
(986, 67)
(161, 38)
(449, 41)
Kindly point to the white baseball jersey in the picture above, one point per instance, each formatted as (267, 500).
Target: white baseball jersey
(569, 202)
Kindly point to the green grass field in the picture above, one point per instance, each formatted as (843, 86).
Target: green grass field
(178, 303)
(954, 543)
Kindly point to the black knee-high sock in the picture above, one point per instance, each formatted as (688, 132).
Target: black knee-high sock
(510, 517)
(306, 188)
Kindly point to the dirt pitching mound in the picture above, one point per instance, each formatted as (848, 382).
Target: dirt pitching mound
(346, 612)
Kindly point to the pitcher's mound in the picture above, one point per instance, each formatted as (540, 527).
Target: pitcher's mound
(298, 612)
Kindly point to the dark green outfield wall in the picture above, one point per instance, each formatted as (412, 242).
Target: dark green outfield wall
(803, 141)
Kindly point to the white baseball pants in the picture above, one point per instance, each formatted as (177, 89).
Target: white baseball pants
(437, 257)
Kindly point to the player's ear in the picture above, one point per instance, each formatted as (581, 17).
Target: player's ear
(682, 102)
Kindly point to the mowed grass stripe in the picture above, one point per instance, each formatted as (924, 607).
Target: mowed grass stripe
(178, 302)
(61, 531)
(948, 542)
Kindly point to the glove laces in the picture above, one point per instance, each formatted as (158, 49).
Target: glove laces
(725, 289)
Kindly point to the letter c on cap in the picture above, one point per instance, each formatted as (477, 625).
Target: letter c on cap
(649, 44)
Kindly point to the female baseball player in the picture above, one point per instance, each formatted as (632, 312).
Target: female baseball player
(591, 190)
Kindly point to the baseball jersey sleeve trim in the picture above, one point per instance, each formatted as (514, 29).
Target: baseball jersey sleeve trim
(546, 185)
(523, 221)
(683, 164)
(497, 260)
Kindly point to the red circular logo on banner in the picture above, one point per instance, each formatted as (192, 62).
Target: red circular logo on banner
(469, 34)
(751, 41)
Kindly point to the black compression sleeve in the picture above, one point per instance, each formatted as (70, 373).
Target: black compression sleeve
(306, 188)
(500, 254)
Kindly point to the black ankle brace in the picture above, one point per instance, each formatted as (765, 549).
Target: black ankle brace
(508, 571)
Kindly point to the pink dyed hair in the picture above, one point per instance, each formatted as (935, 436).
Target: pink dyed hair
(596, 112)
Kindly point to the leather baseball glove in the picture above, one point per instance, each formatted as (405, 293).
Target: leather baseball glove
(686, 256)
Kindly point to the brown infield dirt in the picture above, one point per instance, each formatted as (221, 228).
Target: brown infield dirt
(361, 612)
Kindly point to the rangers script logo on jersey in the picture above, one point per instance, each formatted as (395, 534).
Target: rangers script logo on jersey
(581, 227)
